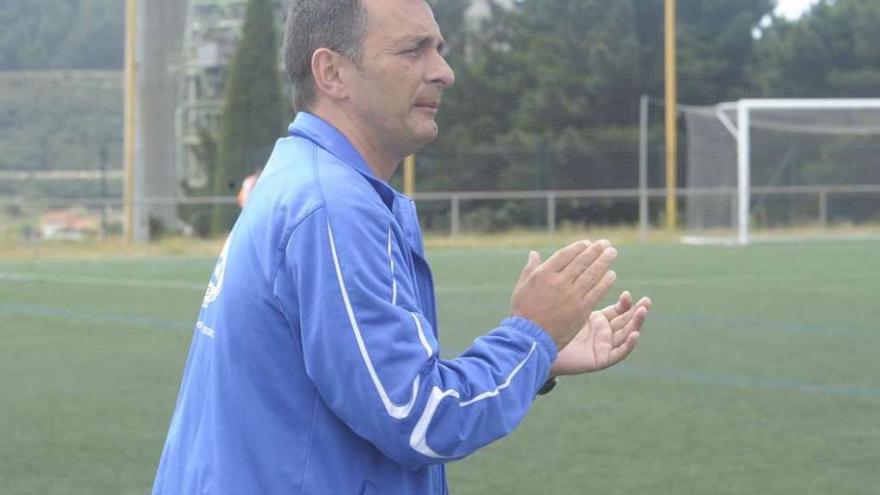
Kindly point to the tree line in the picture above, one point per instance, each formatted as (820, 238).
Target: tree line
(62, 34)
(547, 91)
(554, 75)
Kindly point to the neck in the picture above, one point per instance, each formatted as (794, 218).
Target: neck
(382, 161)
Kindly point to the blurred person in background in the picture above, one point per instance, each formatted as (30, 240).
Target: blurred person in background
(315, 366)
(247, 185)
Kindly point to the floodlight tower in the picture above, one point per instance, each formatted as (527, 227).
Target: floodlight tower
(154, 32)
(671, 116)
(128, 143)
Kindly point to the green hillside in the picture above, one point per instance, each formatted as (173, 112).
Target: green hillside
(60, 120)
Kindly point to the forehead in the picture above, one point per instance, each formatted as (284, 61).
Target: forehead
(396, 20)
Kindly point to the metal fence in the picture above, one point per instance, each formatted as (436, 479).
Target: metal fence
(456, 213)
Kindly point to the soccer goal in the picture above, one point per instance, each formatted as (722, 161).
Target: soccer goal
(763, 169)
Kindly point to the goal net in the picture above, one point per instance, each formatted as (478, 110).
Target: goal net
(771, 169)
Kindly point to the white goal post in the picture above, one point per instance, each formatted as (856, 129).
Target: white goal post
(721, 134)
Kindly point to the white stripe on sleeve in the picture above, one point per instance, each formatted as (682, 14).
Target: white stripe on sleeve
(391, 261)
(394, 410)
(418, 439)
(422, 338)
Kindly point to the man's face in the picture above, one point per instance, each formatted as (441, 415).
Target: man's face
(396, 89)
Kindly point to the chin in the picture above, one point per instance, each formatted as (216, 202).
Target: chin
(427, 138)
(430, 131)
(422, 133)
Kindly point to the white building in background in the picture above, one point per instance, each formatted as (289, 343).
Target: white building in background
(210, 37)
(213, 28)
(480, 10)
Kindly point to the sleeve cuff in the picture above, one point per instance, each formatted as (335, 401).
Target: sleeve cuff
(533, 330)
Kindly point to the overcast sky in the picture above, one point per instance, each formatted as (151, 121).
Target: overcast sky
(793, 9)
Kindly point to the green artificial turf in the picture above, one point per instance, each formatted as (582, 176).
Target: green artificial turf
(758, 372)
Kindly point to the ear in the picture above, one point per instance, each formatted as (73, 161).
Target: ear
(327, 71)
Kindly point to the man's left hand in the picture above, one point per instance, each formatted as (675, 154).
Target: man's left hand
(606, 339)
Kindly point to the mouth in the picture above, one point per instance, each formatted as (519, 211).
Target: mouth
(428, 105)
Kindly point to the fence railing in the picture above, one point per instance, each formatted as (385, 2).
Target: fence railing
(457, 200)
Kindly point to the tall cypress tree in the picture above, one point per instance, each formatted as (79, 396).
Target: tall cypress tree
(253, 108)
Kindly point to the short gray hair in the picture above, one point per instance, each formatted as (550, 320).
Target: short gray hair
(338, 25)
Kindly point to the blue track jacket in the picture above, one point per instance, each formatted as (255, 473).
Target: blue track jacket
(314, 366)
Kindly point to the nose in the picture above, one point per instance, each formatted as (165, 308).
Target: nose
(441, 72)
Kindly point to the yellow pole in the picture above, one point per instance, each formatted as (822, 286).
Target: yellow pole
(128, 146)
(671, 118)
(409, 175)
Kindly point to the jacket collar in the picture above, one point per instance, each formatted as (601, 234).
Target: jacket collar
(322, 133)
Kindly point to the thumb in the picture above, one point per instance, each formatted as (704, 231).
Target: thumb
(531, 264)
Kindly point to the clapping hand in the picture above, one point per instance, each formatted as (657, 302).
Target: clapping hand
(605, 339)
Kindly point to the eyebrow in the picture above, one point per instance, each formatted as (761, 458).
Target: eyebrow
(424, 40)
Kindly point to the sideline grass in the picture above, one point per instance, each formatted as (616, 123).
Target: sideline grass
(758, 373)
(112, 247)
(116, 247)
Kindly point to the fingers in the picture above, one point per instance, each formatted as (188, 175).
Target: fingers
(597, 269)
(620, 353)
(533, 262)
(629, 323)
(601, 288)
(566, 255)
(623, 304)
(623, 317)
(585, 260)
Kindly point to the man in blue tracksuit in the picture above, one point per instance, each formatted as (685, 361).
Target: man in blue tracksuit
(314, 366)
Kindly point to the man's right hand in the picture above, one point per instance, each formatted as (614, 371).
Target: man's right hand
(560, 293)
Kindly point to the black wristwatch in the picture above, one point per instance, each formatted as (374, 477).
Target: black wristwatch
(548, 386)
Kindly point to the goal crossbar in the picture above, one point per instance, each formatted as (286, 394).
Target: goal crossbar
(745, 120)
